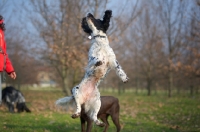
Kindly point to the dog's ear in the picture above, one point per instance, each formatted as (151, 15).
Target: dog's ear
(90, 15)
(106, 19)
(85, 26)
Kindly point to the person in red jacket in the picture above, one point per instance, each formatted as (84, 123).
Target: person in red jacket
(5, 63)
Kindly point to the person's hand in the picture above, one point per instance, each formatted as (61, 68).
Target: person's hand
(13, 75)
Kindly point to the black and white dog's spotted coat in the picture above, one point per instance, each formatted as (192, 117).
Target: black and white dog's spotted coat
(101, 60)
(12, 96)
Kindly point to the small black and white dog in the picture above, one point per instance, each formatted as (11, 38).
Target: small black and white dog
(12, 96)
(101, 59)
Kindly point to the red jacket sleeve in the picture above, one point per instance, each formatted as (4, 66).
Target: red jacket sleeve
(9, 68)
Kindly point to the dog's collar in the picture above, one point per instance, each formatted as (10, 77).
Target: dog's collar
(90, 37)
(98, 36)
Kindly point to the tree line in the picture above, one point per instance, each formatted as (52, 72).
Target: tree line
(156, 42)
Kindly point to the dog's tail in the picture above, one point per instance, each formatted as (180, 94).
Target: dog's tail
(64, 101)
(27, 109)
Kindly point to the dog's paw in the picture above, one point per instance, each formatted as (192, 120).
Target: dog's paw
(76, 115)
(98, 63)
(99, 123)
(125, 80)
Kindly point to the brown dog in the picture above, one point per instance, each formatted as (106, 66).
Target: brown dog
(109, 106)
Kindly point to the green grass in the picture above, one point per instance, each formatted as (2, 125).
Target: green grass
(138, 113)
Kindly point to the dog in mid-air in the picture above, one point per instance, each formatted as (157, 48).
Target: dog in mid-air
(101, 60)
(12, 96)
(109, 107)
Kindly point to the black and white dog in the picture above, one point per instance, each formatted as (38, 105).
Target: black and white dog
(101, 60)
(12, 96)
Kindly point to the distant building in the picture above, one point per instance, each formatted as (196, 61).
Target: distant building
(45, 79)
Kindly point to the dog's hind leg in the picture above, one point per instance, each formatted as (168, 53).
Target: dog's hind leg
(95, 112)
(82, 124)
(76, 95)
(115, 117)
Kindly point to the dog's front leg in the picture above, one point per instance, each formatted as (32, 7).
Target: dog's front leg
(94, 57)
(94, 61)
(120, 72)
(82, 123)
(10, 107)
(89, 125)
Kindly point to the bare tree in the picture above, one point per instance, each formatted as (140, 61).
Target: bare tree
(190, 59)
(58, 24)
(171, 15)
(147, 48)
(22, 58)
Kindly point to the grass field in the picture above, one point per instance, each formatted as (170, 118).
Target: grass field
(139, 113)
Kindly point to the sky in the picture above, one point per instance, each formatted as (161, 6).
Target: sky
(11, 9)
(14, 13)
